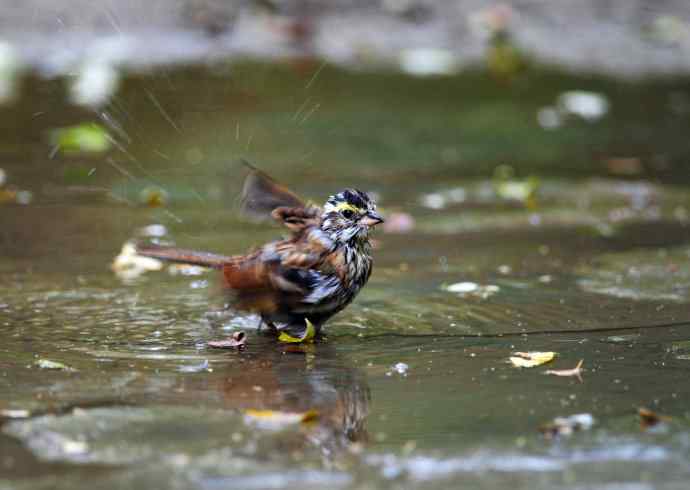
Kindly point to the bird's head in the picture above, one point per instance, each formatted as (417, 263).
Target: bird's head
(349, 215)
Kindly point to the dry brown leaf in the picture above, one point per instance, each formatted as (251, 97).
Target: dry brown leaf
(649, 419)
(531, 359)
(237, 341)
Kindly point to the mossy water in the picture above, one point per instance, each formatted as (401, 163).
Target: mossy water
(411, 384)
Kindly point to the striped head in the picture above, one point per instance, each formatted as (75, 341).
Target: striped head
(348, 216)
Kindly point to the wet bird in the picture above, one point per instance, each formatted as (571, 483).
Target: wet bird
(301, 281)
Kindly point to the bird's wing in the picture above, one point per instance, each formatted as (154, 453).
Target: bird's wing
(297, 219)
(281, 275)
(261, 195)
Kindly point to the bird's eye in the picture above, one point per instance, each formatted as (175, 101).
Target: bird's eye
(348, 213)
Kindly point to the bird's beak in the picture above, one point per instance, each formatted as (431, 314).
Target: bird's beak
(372, 218)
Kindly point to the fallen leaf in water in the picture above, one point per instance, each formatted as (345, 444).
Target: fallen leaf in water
(624, 166)
(48, 364)
(576, 371)
(308, 336)
(16, 413)
(237, 341)
(649, 419)
(83, 138)
(129, 265)
(531, 359)
(273, 419)
(564, 426)
(154, 197)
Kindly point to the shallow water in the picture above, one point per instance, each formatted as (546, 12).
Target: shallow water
(594, 268)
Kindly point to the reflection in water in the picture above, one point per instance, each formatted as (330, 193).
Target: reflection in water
(292, 379)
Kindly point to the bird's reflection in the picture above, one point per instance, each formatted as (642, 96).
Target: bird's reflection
(292, 379)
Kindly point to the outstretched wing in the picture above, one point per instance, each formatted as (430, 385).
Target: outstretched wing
(261, 195)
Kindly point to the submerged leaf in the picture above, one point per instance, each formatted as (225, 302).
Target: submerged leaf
(531, 359)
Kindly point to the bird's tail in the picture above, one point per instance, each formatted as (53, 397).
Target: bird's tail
(182, 256)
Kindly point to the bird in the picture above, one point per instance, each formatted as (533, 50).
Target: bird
(297, 283)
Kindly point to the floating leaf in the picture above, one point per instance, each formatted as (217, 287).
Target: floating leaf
(154, 197)
(83, 138)
(531, 359)
(308, 336)
(237, 341)
(129, 265)
(273, 419)
(48, 364)
(576, 371)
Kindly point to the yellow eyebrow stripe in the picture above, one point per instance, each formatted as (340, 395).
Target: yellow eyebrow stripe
(342, 206)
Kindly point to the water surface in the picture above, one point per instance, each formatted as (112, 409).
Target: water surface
(594, 266)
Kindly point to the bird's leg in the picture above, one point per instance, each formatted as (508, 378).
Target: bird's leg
(272, 329)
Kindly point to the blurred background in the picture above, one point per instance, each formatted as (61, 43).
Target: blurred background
(531, 158)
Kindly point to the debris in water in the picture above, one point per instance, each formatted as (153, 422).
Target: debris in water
(274, 420)
(14, 413)
(590, 106)
(204, 366)
(400, 368)
(428, 62)
(441, 199)
(549, 118)
(576, 371)
(472, 289)
(307, 337)
(649, 419)
(508, 188)
(625, 166)
(129, 265)
(237, 341)
(531, 359)
(462, 287)
(154, 231)
(565, 426)
(153, 196)
(82, 138)
(48, 364)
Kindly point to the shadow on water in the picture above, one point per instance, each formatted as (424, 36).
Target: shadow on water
(411, 387)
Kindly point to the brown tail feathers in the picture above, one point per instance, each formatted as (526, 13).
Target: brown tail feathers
(182, 256)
